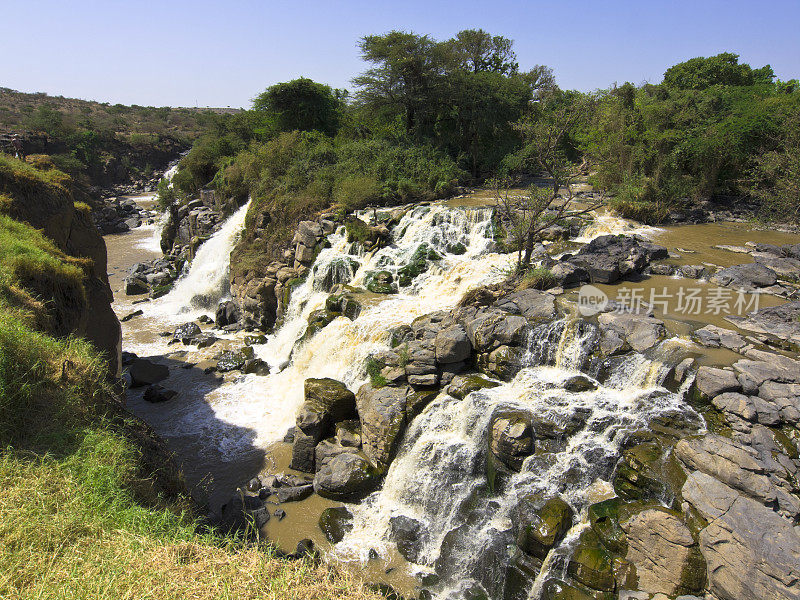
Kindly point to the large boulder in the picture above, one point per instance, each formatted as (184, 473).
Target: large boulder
(382, 412)
(511, 437)
(609, 258)
(452, 345)
(540, 523)
(531, 304)
(409, 535)
(748, 276)
(751, 551)
(711, 382)
(335, 523)
(346, 477)
(641, 332)
(781, 322)
(666, 556)
(146, 372)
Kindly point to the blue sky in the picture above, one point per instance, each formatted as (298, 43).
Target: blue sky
(202, 53)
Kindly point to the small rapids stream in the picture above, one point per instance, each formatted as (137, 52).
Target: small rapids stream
(439, 477)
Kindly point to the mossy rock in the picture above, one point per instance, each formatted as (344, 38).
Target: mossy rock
(417, 265)
(233, 360)
(604, 519)
(380, 282)
(343, 304)
(646, 473)
(400, 335)
(335, 523)
(557, 589)
(250, 340)
(591, 564)
(458, 249)
(542, 523)
(463, 386)
(318, 320)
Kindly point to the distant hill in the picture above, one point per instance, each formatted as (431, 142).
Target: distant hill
(100, 143)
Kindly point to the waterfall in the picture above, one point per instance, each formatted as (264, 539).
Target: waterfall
(440, 473)
(207, 280)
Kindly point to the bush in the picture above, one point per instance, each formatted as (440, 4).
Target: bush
(538, 278)
(357, 191)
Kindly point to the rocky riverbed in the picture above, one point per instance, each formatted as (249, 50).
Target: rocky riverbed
(382, 392)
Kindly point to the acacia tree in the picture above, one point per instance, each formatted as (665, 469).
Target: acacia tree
(545, 132)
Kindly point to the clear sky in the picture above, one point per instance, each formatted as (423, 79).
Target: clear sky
(203, 53)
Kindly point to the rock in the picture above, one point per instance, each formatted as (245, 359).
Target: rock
(644, 473)
(609, 258)
(293, 493)
(244, 513)
(145, 372)
(784, 268)
(639, 331)
(205, 340)
(693, 271)
(750, 550)
(568, 275)
(383, 415)
(463, 385)
(540, 523)
(604, 519)
(532, 304)
(227, 313)
(591, 564)
(781, 322)
(579, 383)
(718, 337)
(187, 332)
(335, 523)
(452, 345)
(308, 233)
(380, 282)
(303, 451)
(129, 316)
(738, 404)
(748, 277)
(661, 547)
(279, 514)
(135, 286)
(233, 360)
(711, 382)
(346, 477)
(327, 401)
(327, 449)
(728, 462)
(254, 485)
(409, 535)
(511, 437)
(156, 393)
(255, 366)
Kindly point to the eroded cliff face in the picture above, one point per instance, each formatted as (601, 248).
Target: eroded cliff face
(51, 209)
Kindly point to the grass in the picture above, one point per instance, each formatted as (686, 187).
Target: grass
(83, 512)
(373, 368)
(38, 279)
(538, 278)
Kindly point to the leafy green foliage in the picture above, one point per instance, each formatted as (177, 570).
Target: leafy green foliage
(302, 105)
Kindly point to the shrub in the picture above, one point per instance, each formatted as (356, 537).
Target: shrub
(538, 278)
(357, 191)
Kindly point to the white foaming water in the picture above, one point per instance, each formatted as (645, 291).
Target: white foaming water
(439, 476)
(206, 282)
(609, 224)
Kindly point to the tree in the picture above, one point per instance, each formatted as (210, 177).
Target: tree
(723, 69)
(477, 51)
(406, 74)
(302, 105)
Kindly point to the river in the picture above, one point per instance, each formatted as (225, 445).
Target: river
(226, 429)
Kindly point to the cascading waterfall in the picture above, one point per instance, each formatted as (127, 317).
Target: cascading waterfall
(265, 406)
(439, 476)
(206, 282)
